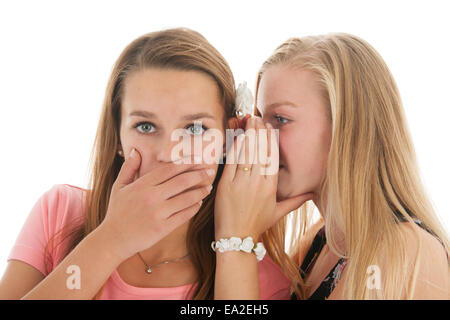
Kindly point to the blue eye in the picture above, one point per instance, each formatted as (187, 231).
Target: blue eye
(145, 126)
(196, 129)
(281, 120)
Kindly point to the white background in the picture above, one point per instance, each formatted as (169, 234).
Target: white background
(56, 58)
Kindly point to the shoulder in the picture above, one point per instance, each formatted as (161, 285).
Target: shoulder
(60, 207)
(427, 253)
(416, 237)
(63, 200)
(66, 192)
(274, 284)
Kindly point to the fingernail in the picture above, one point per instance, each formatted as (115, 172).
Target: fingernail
(210, 172)
(132, 153)
(209, 188)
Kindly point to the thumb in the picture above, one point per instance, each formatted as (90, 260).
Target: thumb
(129, 169)
(290, 204)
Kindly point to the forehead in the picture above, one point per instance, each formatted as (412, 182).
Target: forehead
(174, 92)
(282, 83)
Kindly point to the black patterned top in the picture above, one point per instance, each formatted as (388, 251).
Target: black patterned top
(331, 280)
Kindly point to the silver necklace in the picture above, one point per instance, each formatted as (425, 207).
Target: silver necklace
(149, 268)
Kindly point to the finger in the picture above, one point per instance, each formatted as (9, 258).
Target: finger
(233, 123)
(182, 216)
(184, 200)
(290, 204)
(186, 180)
(129, 169)
(229, 170)
(268, 145)
(260, 149)
(167, 171)
(243, 121)
(242, 167)
(272, 168)
(247, 150)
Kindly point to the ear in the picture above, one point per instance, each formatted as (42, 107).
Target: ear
(120, 150)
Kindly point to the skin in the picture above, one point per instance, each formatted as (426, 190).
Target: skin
(171, 95)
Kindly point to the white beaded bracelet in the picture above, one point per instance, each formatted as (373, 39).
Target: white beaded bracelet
(237, 244)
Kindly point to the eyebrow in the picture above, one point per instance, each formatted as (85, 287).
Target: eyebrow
(144, 114)
(195, 116)
(282, 103)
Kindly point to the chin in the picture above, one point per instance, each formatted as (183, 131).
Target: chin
(285, 190)
(281, 194)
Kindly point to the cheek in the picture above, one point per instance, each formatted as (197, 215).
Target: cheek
(289, 150)
(304, 153)
(297, 146)
(130, 141)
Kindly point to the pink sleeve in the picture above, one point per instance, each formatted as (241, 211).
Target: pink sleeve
(41, 223)
(274, 284)
(283, 294)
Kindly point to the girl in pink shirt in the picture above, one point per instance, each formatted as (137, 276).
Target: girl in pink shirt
(63, 205)
(144, 226)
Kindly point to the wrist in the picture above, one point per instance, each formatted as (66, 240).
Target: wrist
(236, 244)
(222, 234)
(110, 242)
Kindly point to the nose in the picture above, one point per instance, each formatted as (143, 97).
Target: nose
(164, 150)
(175, 148)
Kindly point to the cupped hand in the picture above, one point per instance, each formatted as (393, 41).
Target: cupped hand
(245, 203)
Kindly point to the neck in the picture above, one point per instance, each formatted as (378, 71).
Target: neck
(339, 234)
(170, 247)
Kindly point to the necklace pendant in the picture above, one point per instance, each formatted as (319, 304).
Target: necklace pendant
(149, 270)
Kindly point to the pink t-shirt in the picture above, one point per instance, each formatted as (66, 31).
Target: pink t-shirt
(62, 204)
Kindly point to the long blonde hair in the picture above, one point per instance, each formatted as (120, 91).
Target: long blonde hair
(372, 180)
(181, 49)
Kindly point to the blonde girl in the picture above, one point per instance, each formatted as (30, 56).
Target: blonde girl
(343, 136)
